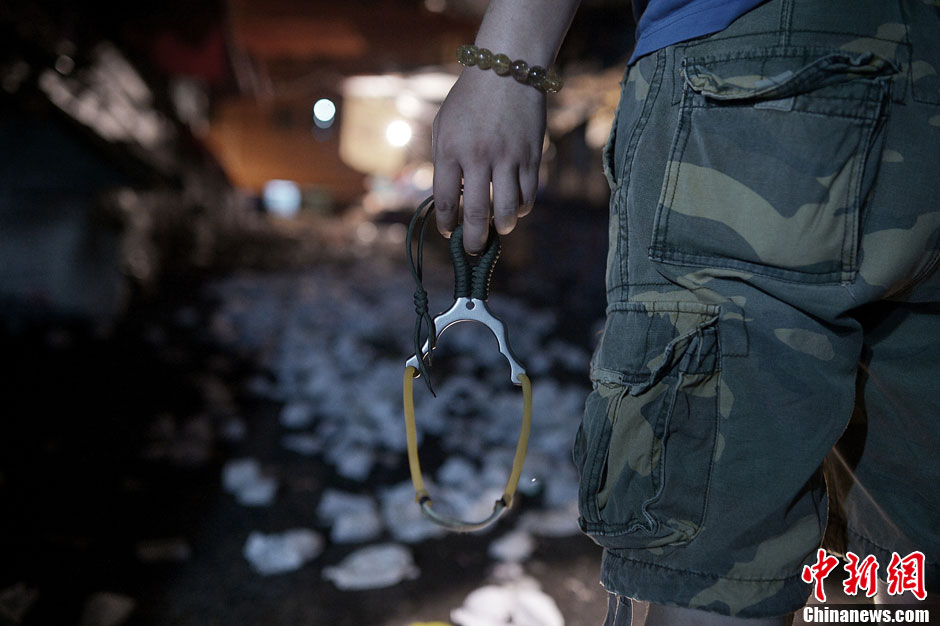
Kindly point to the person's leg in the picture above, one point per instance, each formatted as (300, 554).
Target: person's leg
(740, 166)
(883, 475)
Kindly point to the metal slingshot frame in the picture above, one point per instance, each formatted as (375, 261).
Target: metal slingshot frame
(471, 291)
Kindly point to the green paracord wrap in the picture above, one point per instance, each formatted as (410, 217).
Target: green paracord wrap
(470, 280)
(473, 281)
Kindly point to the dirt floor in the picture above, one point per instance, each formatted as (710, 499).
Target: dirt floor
(112, 448)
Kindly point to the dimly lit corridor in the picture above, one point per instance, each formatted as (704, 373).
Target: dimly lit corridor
(206, 309)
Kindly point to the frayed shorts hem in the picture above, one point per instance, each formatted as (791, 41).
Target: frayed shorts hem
(737, 597)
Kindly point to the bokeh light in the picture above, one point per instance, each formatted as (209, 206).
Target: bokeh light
(398, 133)
(324, 112)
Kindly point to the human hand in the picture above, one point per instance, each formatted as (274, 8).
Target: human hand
(489, 129)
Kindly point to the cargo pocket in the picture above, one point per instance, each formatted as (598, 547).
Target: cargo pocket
(647, 439)
(774, 154)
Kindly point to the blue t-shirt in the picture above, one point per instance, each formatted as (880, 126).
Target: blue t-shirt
(661, 23)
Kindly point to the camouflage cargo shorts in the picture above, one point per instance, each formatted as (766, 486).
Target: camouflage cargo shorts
(773, 321)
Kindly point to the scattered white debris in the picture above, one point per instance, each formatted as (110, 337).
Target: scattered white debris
(245, 480)
(297, 415)
(354, 462)
(338, 369)
(517, 602)
(562, 491)
(562, 522)
(403, 516)
(373, 567)
(353, 518)
(106, 608)
(514, 546)
(506, 572)
(457, 471)
(260, 492)
(284, 552)
(239, 472)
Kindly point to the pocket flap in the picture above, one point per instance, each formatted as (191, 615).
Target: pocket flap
(783, 73)
(645, 341)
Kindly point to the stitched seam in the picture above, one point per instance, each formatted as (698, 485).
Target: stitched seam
(630, 157)
(846, 116)
(847, 35)
(853, 218)
(786, 21)
(661, 221)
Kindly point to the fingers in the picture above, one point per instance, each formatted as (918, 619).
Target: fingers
(446, 196)
(505, 199)
(513, 195)
(528, 188)
(476, 210)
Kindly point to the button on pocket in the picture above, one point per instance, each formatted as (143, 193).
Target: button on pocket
(773, 156)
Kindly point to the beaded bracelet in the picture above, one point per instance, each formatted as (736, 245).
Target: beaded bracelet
(545, 80)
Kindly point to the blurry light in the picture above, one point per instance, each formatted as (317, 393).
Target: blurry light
(435, 6)
(409, 105)
(395, 234)
(398, 133)
(598, 129)
(372, 203)
(432, 86)
(281, 197)
(324, 112)
(427, 86)
(423, 177)
(367, 233)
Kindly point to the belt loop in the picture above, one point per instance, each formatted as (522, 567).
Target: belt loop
(786, 21)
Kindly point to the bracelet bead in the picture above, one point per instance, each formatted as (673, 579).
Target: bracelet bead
(520, 70)
(501, 64)
(536, 76)
(484, 59)
(466, 55)
(552, 84)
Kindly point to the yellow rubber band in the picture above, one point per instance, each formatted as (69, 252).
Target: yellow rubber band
(411, 434)
(523, 443)
(414, 464)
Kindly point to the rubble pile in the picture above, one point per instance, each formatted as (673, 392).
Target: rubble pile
(332, 343)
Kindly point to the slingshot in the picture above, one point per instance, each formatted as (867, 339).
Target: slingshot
(471, 291)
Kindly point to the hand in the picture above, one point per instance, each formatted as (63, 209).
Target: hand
(489, 129)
